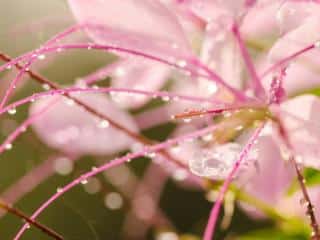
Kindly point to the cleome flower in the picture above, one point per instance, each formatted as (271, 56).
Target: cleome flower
(233, 76)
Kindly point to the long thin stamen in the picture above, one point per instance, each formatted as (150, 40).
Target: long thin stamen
(287, 59)
(256, 82)
(70, 90)
(212, 75)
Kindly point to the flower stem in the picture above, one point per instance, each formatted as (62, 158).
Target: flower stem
(210, 228)
(133, 135)
(302, 182)
(38, 225)
(256, 81)
(310, 208)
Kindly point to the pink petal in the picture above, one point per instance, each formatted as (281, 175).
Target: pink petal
(220, 52)
(261, 21)
(141, 74)
(302, 73)
(295, 205)
(301, 118)
(272, 176)
(143, 25)
(70, 129)
(291, 14)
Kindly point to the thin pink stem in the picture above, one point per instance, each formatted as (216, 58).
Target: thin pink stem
(256, 82)
(113, 163)
(7, 143)
(101, 73)
(209, 231)
(212, 76)
(287, 59)
(9, 140)
(157, 94)
(32, 56)
(239, 95)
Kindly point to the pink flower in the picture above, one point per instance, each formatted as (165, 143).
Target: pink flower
(224, 77)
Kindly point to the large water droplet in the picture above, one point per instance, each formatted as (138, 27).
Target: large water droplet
(216, 162)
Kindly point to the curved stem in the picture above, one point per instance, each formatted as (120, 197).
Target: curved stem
(116, 162)
(91, 110)
(287, 59)
(62, 91)
(210, 228)
(23, 216)
(302, 182)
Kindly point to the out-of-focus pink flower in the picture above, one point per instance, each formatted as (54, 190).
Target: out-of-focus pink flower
(72, 130)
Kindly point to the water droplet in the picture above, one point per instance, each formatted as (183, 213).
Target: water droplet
(46, 86)
(180, 174)
(227, 114)
(94, 168)
(182, 63)
(41, 57)
(84, 181)
(165, 98)
(167, 236)
(8, 146)
(9, 67)
(120, 72)
(59, 190)
(12, 111)
(216, 162)
(239, 128)
(212, 87)
(187, 120)
(317, 44)
(151, 154)
(176, 149)
(302, 201)
(69, 102)
(208, 137)
(104, 124)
